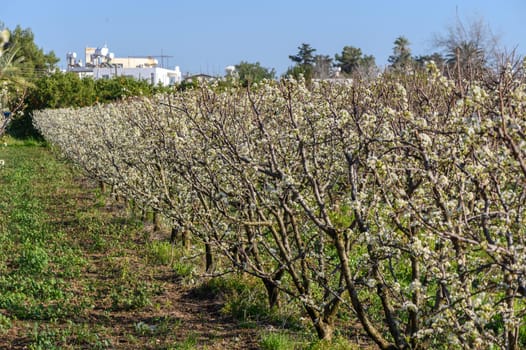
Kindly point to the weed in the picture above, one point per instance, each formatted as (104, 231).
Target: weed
(160, 253)
(125, 297)
(85, 336)
(338, 343)
(189, 343)
(277, 341)
(70, 261)
(33, 259)
(246, 301)
(5, 323)
(183, 270)
(44, 338)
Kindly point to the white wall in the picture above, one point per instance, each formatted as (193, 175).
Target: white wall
(158, 75)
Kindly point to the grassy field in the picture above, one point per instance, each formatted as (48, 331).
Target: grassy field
(77, 270)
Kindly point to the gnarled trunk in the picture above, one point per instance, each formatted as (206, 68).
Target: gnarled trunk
(272, 293)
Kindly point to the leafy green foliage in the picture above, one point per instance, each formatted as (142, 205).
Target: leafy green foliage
(12, 81)
(59, 90)
(401, 58)
(305, 55)
(120, 87)
(304, 62)
(249, 73)
(160, 252)
(300, 72)
(277, 341)
(34, 62)
(5, 323)
(62, 90)
(33, 259)
(352, 60)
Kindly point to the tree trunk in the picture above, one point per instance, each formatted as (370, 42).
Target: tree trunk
(358, 307)
(324, 326)
(185, 238)
(209, 258)
(156, 221)
(324, 330)
(272, 293)
(173, 234)
(181, 235)
(512, 332)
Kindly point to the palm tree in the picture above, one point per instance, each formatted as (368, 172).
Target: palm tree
(401, 57)
(13, 85)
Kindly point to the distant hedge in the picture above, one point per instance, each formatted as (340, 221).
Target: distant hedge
(63, 90)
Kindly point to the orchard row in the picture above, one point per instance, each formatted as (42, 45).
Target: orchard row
(400, 200)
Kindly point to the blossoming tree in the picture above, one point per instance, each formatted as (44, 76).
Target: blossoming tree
(398, 199)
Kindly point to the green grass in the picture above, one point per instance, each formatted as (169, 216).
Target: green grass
(245, 300)
(33, 254)
(278, 341)
(189, 343)
(50, 231)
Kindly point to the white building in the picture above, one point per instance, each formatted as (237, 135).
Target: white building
(102, 64)
(154, 75)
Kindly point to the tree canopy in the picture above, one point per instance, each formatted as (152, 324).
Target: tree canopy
(304, 62)
(401, 57)
(305, 55)
(22, 62)
(34, 62)
(249, 73)
(353, 60)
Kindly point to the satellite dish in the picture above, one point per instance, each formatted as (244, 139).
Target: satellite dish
(104, 51)
(111, 55)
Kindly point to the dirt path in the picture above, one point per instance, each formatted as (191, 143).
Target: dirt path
(179, 317)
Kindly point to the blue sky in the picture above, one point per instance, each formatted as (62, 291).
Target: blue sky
(204, 36)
